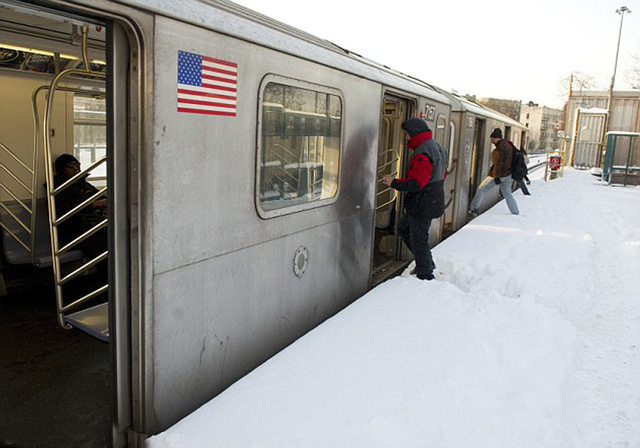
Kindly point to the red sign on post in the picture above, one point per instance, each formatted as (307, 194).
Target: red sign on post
(555, 162)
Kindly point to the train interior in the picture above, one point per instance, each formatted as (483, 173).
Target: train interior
(477, 154)
(387, 249)
(55, 364)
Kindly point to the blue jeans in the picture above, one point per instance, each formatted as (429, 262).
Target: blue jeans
(523, 186)
(505, 188)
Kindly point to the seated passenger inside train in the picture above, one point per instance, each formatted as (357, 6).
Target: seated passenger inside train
(66, 167)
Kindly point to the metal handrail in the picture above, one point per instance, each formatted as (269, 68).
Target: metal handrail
(296, 158)
(101, 225)
(30, 170)
(15, 198)
(66, 184)
(84, 267)
(381, 168)
(391, 201)
(23, 225)
(14, 236)
(86, 298)
(53, 220)
(450, 201)
(79, 207)
(28, 209)
(22, 184)
(36, 144)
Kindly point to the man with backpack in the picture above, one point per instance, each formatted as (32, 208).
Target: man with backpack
(519, 168)
(499, 174)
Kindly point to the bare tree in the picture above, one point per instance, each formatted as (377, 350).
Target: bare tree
(576, 81)
(632, 75)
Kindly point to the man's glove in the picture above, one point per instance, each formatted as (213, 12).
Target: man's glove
(497, 181)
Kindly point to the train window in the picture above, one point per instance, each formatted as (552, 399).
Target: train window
(441, 124)
(90, 132)
(299, 147)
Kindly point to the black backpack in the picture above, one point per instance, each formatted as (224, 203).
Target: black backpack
(518, 165)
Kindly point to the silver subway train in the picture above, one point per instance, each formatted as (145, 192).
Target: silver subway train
(240, 159)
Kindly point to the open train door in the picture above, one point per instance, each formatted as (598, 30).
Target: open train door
(477, 154)
(388, 253)
(64, 80)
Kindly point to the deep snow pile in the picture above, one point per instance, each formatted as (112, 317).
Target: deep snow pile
(528, 337)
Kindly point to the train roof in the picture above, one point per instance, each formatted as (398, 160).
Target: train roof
(232, 19)
(460, 104)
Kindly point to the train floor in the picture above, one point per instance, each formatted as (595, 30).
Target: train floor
(54, 384)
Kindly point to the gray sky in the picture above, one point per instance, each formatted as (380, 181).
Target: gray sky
(512, 49)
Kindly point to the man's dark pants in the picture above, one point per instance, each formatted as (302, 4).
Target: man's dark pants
(414, 231)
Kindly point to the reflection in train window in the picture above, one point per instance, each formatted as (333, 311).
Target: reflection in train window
(300, 147)
(90, 132)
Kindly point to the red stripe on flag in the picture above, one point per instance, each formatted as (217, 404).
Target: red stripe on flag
(215, 78)
(206, 103)
(217, 87)
(219, 70)
(208, 112)
(205, 94)
(219, 61)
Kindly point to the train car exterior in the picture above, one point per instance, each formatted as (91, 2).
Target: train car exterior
(471, 126)
(240, 215)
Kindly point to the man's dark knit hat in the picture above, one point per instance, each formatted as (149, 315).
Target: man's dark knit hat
(415, 126)
(497, 133)
(62, 161)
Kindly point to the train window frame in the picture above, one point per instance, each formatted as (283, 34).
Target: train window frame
(287, 209)
(441, 128)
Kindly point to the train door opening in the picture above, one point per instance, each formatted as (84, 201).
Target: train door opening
(507, 133)
(477, 155)
(57, 132)
(387, 245)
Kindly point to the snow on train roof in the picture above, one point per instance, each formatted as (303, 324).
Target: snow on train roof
(462, 104)
(232, 19)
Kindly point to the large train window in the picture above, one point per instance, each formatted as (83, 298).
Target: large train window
(299, 146)
(90, 131)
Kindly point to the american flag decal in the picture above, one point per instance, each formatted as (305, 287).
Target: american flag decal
(206, 85)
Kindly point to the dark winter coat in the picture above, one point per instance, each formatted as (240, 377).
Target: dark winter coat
(424, 180)
(69, 198)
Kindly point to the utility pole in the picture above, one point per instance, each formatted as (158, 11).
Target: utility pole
(622, 10)
(567, 114)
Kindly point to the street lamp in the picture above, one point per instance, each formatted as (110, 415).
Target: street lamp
(622, 10)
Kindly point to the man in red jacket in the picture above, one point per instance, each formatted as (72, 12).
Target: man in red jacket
(424, 187)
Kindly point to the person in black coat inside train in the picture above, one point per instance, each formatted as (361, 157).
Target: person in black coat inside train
(94, 213)
(424, 187)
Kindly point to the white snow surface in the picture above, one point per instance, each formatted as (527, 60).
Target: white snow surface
(528, 337)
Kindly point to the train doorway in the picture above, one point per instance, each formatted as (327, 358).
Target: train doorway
(387, 245)
(477, 156)
(61, 365)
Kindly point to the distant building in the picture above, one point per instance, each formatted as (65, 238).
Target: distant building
(510, 108)
(586, 139)
(543, 123)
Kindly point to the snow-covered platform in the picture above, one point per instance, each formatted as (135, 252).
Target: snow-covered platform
(529, 337)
